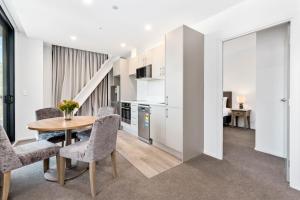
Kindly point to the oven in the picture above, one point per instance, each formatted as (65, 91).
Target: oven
(126, 112)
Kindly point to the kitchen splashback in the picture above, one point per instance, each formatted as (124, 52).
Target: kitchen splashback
(153, 90)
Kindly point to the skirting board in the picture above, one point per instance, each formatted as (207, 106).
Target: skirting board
(268, 152)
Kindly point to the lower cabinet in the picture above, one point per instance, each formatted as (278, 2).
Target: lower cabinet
(166, 127)
(174, 129)
(157, 124)
(134, 118)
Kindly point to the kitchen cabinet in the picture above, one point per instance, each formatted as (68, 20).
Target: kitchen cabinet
(144, 59)
(157, 124)
(133, 63)
(174, 69)
(116, 68)
(174, 127)
(127, 83)
(158, 62)
(134, 118)
(184, 89)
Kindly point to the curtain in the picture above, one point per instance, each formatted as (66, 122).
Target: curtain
(71, 70)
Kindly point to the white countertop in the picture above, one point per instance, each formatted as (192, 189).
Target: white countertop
(144, 102)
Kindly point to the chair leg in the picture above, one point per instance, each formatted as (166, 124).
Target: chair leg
(6, 185)
(114, 163)
(92, 171)
(58, 168)
(62, 167)
(46, 165)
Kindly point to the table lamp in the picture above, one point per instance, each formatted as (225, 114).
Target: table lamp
(241, 100)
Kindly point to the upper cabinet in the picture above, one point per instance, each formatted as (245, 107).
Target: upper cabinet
(145, 59)
(133, 65)
(154, 57)
(158, 62)
(116, 68)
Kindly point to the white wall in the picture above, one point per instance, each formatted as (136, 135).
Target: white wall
(239, 72)
(153, 90)
(28, 83)
(47, 75)
(247, 17)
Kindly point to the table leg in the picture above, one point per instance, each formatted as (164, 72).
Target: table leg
(248, 119)
(68, 140)
(245, 122)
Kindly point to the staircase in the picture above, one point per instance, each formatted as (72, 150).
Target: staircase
(87, 90)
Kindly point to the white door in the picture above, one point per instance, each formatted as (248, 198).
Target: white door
(272, 90)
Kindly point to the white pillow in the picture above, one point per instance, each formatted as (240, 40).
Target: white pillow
(225, 102)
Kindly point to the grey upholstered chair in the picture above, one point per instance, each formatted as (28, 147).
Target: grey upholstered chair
(53, 136)
(15, 157)
(102, 112)
(101, 143)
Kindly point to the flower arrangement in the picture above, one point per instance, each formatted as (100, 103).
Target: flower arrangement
(68, 106)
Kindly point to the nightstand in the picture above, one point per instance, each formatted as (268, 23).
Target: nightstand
(236, 113)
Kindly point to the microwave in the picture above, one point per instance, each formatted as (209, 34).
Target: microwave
(144, 72)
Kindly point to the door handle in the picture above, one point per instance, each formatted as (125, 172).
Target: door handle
(9, 99)
(283, 100)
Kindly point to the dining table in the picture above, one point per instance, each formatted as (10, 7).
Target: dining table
(68, 126)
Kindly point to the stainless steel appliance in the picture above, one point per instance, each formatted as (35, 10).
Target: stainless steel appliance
(144, 123)
(126, 112)
(144, 72)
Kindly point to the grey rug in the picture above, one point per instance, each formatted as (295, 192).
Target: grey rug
(243, 175)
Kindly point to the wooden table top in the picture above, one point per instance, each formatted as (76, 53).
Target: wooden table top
(59, 123)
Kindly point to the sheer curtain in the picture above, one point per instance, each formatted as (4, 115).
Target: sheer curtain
(71, 70)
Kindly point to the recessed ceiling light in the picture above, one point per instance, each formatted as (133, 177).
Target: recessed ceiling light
(87, 2)
(73, 37)
(123, 45)
(148, 27)
(115, 7)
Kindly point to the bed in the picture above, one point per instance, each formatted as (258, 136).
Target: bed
(227, 106)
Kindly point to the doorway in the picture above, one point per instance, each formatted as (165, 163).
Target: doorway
(7, 106)
(256, 83)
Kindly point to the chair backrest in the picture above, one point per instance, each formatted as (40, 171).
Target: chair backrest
(8, 158)
(103, 137)
(105, 111)
(46, 113)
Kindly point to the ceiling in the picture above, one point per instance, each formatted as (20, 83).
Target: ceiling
(54, 21)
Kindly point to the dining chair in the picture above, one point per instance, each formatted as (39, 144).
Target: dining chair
(51, 136)
(101, 143)
(102, 112)
(15, 157)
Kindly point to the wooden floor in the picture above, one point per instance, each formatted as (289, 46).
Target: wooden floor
(148, 159)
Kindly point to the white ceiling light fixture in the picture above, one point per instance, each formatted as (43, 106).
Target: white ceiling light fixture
(87, 2)
(123, 45)
(148, 27)
(73, 37)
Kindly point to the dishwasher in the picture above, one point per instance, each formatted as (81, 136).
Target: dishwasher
(144, 123)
